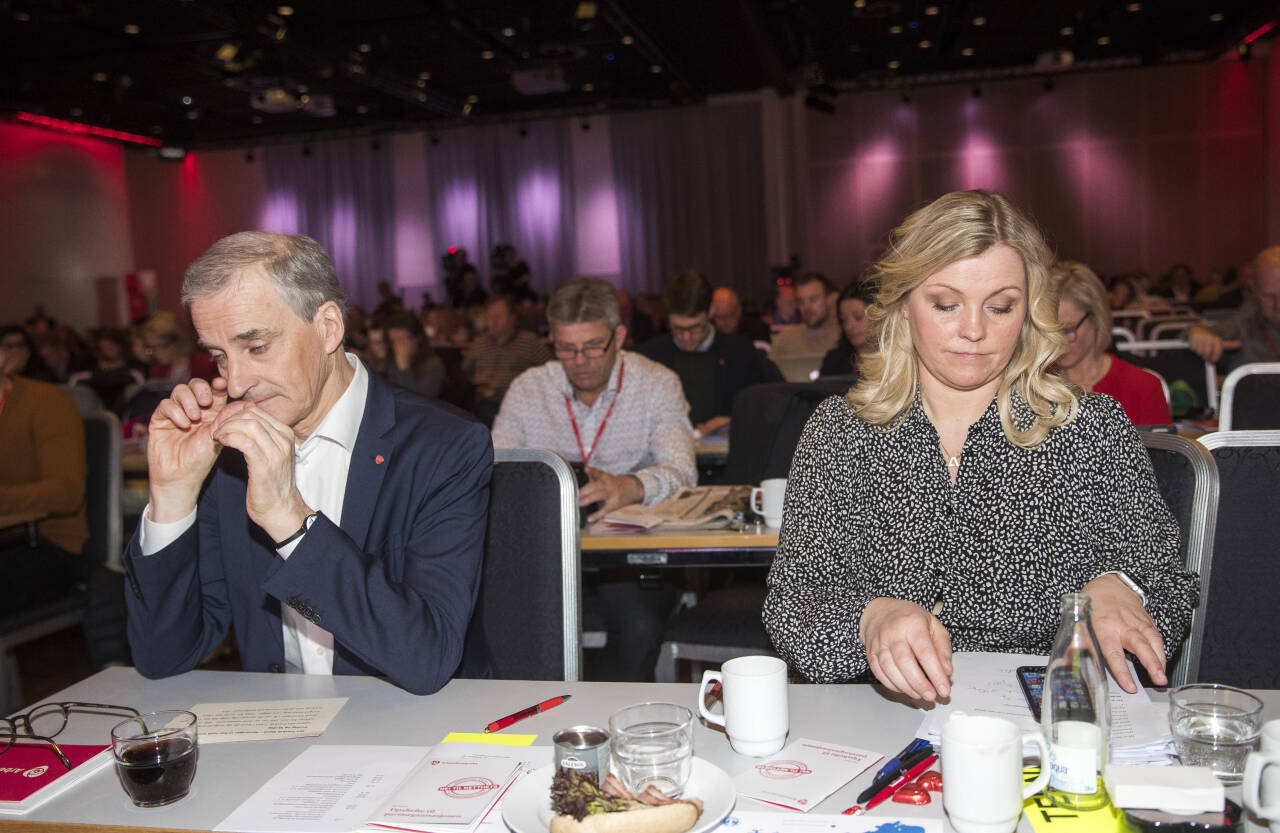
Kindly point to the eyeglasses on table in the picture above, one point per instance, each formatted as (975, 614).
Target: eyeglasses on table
(46, 721)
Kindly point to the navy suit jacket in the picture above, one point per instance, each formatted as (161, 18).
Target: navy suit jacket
(394, 584)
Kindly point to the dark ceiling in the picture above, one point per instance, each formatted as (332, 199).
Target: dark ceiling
(203, 73)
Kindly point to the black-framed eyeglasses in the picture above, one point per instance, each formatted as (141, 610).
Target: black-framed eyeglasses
(47, 720)
(567, 352)
(699, 329)
(1070, 332)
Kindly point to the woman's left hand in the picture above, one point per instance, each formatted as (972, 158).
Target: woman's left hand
(1122, 624)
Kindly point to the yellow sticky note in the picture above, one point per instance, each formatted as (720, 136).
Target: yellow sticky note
(484, 737)
(1045, 817)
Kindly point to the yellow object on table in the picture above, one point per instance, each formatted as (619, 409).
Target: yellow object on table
(1046, 817)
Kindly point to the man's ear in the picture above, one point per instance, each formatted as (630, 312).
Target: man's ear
(332, 325)
(620, 335)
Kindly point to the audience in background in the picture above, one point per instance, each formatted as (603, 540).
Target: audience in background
(640, 325)
(783, 307)
(497, 357)
(799, 349)
(410, 363)
(1123, 293)
(18, 356)
(1256, 326)
(113, 371)
(623, 419)
(468, 292)
(727, 315)
(712, 366)
(1085, 315)
(171, 345)
(42, 470)
(1177, 286)
(851, 307)
(63, 352)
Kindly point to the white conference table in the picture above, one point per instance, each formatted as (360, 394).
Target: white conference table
(380, 713)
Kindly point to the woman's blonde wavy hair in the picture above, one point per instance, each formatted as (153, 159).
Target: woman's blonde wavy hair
(955, 226)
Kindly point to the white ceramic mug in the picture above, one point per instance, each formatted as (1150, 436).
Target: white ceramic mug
(1261, 787)
(982, 773)
(754, 692)
(767, 500)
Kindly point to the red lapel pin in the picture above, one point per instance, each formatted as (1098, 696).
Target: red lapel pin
(378, 460)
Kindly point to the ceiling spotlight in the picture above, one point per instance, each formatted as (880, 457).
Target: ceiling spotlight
(894, 64)
(1103, 40)
(979, 21)
(424, 76)
(365, 47)
(930, 11)
(466, 109)
(925, 44)
(99, 76)
(895, 29)
(284, 11)
(304, 99)
(1134, 7)
(627, 40)
(132, 29)
(186, 101)
(422, 98)
(421, 83)
(656, 68)
(967, 52)
(487, 55)
(588, 87)
(362, 108)
(193, 114)
(1067, 31)
(859, 4)
(1217, 17)
(473, 99)
(508, 32)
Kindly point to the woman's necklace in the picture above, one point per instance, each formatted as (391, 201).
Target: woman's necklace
(953, 460)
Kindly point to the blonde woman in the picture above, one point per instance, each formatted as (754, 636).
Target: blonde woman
(1085, 315)
(960, 488)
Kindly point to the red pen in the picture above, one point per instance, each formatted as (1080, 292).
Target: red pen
(893, 787)
(504, 722)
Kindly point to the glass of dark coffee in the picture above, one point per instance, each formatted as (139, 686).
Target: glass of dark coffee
(156, 756)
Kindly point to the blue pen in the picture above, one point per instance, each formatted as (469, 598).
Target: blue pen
(896, 761)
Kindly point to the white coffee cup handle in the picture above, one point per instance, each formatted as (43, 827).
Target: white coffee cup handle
(1251, 791)
(757, 500)
(1042, 780)
(710, 676)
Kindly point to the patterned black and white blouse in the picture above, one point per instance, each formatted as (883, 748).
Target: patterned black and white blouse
(871, 511)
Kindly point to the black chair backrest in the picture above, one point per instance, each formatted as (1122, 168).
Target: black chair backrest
(1242, 621)
(102, 487)
(1181, 369)
(1255, 401)
(530, 603)
(1188, 481)
(766, 426)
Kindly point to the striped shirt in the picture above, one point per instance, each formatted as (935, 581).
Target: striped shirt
(492, 365)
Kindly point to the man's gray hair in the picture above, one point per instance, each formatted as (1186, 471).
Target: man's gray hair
(299, 268)
(579, 300)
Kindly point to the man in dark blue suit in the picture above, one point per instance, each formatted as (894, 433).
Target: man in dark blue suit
(712, 366)
(336, 521)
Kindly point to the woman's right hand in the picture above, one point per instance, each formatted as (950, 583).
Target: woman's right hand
(908, 649)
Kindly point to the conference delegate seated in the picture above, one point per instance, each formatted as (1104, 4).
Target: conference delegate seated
(952, 497)
(1085, 315)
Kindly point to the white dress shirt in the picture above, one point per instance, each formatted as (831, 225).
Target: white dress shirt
(320, 467)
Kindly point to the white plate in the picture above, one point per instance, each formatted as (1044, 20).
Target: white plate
(526, 808)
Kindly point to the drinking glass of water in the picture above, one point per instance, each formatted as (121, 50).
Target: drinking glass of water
(156, 756)
(1215, 726)
(653, 745)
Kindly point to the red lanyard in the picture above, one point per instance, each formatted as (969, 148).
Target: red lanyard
(586, 455)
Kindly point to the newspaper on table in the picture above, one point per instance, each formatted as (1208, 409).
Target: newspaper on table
(691, 507)
(985, 683)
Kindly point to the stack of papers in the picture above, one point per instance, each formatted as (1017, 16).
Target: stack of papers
(986, 683)
(451, 787)
(804, 773)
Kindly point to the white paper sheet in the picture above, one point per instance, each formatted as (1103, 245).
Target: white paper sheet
(986, 683)
(755, 821)
(326, 789)
(804, 773)
(266, 719)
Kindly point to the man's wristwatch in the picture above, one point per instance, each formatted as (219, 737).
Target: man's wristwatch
(302, 530)
(1130, 583)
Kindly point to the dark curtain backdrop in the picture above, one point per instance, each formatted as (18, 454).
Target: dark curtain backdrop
(690, 189)
(489, 185)
(340, 193)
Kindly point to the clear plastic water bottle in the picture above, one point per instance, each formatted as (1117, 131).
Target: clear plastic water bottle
(1076, 712)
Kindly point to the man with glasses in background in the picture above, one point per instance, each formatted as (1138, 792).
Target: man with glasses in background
(712, 366)
(624, 420)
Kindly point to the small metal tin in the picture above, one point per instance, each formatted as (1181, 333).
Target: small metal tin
(583, 749)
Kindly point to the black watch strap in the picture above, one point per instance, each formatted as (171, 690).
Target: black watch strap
(302, 530)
